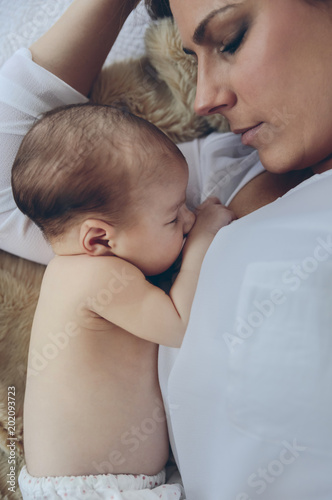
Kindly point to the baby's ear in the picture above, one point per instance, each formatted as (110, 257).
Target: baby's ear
(96, 237)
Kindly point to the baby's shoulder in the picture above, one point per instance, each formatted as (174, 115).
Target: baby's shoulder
(107, 267)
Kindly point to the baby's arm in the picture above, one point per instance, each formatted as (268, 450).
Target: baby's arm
(143, 309)
(211, 216)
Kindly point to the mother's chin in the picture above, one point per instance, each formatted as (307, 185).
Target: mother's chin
(282, 151)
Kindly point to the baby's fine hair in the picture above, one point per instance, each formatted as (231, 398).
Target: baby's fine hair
(83, 160)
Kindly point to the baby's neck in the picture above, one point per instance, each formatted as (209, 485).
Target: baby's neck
(67, 244)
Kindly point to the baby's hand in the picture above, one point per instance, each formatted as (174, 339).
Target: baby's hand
(212, 216)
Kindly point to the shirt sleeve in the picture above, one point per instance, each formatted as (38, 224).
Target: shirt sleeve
(219, 165)
(26, 92)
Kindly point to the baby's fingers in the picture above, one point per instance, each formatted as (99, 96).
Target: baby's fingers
(213, 200)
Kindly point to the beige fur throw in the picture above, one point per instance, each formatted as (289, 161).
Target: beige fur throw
(159, 87)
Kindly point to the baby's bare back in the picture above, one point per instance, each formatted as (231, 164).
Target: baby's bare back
(92, 403)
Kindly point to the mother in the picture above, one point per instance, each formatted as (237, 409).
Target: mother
(249, 394)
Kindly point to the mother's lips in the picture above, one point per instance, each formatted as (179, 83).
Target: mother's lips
(244, 130)
(248, 134)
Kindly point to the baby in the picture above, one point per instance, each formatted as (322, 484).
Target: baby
(108, 190)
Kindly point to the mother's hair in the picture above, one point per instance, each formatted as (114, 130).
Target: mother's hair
(158, 8)
(161, 8)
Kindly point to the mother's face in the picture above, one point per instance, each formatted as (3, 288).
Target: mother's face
(266, 65)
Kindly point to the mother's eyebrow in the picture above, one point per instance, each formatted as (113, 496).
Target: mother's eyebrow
(199, 33)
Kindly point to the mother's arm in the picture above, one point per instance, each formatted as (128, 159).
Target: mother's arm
(65, 62)
(75, 48)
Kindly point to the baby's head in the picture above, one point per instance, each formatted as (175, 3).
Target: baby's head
(92, 177)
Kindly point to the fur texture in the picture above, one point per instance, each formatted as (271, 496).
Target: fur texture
(159, 87)
(19, 289)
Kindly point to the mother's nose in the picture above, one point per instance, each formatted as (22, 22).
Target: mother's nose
(213, 94)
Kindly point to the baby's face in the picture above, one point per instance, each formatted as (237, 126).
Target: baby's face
(163, 220)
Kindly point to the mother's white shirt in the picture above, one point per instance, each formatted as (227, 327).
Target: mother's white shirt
(249, 395)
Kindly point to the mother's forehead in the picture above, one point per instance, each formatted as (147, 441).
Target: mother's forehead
(204, 5)
(190, 14)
